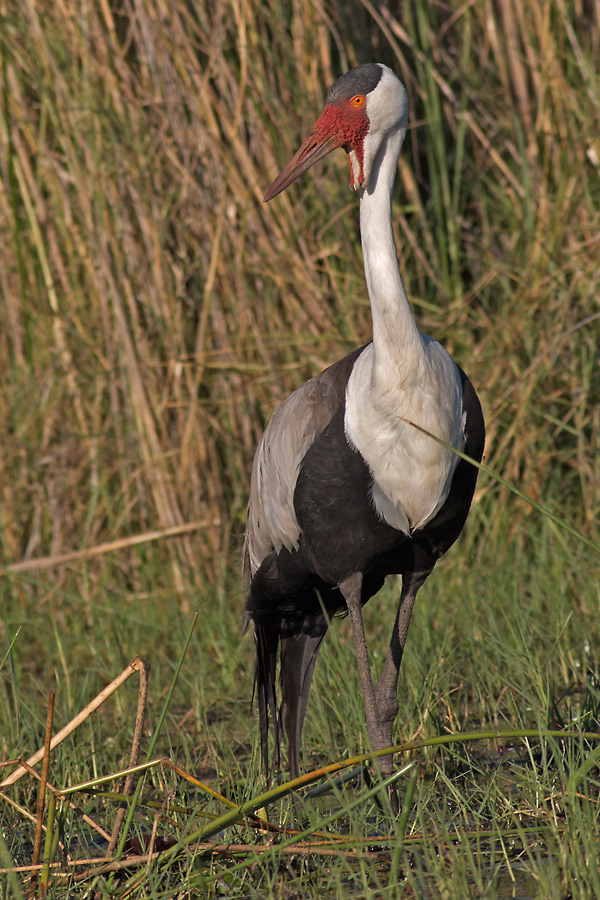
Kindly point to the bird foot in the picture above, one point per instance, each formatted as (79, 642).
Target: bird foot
(371, 777)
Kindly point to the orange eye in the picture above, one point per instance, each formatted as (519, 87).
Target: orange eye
(358, 100)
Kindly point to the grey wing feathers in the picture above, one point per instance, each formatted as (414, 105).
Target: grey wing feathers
(290, 431)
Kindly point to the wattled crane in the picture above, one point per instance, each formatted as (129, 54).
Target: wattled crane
(349, 483)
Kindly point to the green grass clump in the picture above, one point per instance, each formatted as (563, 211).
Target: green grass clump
(153, 311)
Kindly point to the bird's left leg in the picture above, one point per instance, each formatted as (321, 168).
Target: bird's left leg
(377, 729)
(386, 692)
(351, 589)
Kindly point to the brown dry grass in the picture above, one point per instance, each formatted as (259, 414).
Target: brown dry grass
(153, 309)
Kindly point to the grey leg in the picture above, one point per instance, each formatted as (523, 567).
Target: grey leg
(351, 590)
(381, 703)
(386, 692)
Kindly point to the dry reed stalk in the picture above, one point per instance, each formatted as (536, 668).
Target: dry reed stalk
(156, 310)
(144, 670)
(24, 812)
(136, 665)
(42, 795)
(53, 562)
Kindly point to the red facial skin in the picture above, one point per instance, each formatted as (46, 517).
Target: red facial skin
(344, 124)
(350, 124)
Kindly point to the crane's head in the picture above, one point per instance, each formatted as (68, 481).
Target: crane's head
(362, 110)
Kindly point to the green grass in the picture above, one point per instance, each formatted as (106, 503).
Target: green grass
(152, 312)
(511, 647)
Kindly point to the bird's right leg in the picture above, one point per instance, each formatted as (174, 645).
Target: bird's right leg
(351, 589)
(386, 692)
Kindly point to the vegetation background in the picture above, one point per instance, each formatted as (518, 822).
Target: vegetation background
(153, 311)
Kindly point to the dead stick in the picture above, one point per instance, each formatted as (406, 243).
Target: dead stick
(222, 850)
(134, 666)
(42, 563)
(42, 792)
(50, 787)
(135, 751)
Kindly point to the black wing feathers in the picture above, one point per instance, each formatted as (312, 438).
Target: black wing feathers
(294, 593)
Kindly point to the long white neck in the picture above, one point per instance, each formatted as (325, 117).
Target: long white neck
(404, 377)
(396, 337)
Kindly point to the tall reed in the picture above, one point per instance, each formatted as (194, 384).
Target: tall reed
(154, 310)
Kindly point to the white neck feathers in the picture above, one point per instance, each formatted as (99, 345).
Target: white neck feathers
(394, 326)
(404, 376)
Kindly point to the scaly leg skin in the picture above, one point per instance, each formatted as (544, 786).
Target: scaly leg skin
(377, 730)
(381, 703)
(386, 692)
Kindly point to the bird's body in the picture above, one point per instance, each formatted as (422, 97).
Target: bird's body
(353, 479)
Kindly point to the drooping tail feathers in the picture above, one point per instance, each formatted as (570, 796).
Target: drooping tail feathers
(300, 641)
(266, 634)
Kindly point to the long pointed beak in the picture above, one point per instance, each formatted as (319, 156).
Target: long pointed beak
(313, 149)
